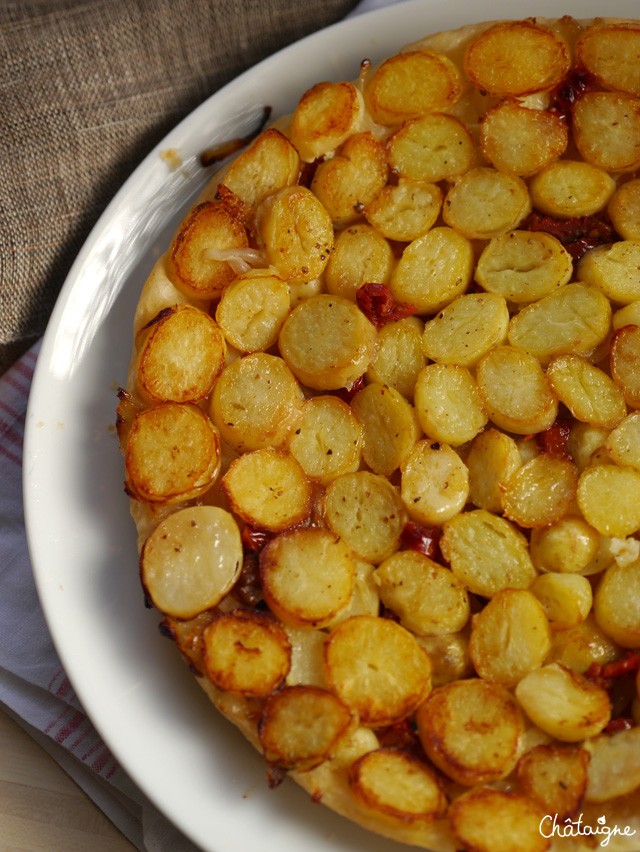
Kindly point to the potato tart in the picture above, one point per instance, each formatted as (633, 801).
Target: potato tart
(382, 440)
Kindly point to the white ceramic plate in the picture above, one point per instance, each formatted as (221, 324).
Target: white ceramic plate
(192, 764)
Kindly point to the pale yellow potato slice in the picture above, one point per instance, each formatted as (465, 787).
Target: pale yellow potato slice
(510, 637)
(623, 443)
(326, 115)
(515, 391)
(252, 310)
(361, 255)
(172, 453)
(411, 84)
(516, 58)
(327, 440)
(609, 499)
(448, 404)
(565, 598)
(431, 148)
(390, 427)
(327, 342)
(301, 726)
(434, 483)
(449, 654)
(405, 210)
(584, 441)
(256, 402)
(348, 181)
(564, 703)
(614, 765)
(399, 357)
(616, 604)
(182, 354)
(487, 553)
(307, 645)
(610, 52)
(268, 489)
(246, 652)
(470, 730)
(377, 668)
(433, 270)
(492, 458)
(191, 560)
(427, 598)
(398, 785)
(488, 820)
(211, 227)
(523, 266)
(521, 141)
(628, 315)
(567, 546)
(466, 329)
(624, 209)
(307, 576)
(365, 510)
(365, 599)
(580, 646)
(567, 188)
(613, 270)
(587, 391)
(625, 357)
(606, 129)
(575, 319)
(296, 232)
(540, 492)
(556, 777)
(485, 203)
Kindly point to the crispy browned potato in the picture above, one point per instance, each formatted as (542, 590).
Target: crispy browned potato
(432, 148)
(609, 52)
(522, 141)
(487, 820)
(625, 355)
(606, 126)
(556, 776)
(326, 115)
(541, 491)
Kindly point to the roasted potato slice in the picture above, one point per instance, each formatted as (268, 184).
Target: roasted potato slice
(466, 329)
(300, 726)
(377, 668)
(397, 784)
(616, 604)
(405, 210)
(328, 438)
(191, 560)
(488, 820)
(567, 188)
(307, 576)
(613, 270)
(431, 148)
(172, 453)
(587, 391)
(580, 646)
(361, 255)
(326, 115)
(492, 458)
(449, 654)
(625, 357)
(246, 652)
(510, 637)
(623, 443)
(567, 546)
(556, 777)
(606, 129)
(434, 483)
(399, 357)
(624, 209)
(390, 427)
(614, 765)
(448, 404)
(566, 598)
(609, 499)
(610, 53)
(540, 492)
(268, 489)
(465, 206)
(252, 310)
(470, 730)
(486, 553)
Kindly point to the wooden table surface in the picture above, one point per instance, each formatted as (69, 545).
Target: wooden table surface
(41, 808)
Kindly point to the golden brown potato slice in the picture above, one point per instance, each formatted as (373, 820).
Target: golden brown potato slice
(361, 255)
(328, 439)
(587, 391)
(521, 141)
(366, 511)
(399, 356)
(434, 483)
(465, 206)
(268, 489)
(575, 319)
(405, 210)
(191, 560)
(466, 329)
(624, 210)
(616, 604)
(377, 668)
(488, 820)
(606, 129)
(567, 546)
(348, 181)
(431, 148)
(172, 453)
(449, 654)
(609, 499)
(523, 266)
(516, 58)
(625, 357)
(564, 703)
(256, 402)
(390, 427)
(566, 598)
(327, 342)
(397, 784)
(515, 391)
(567, 188)
(427, 598)
(492, 458)
(247, 653)
(181, 357)
(613, 270)
(556, 777)
(470, 730)
(411, 84)
(623, 444)
(307, 576)
(614, 765)
(448, 404)
(296, 232)
(510, 637)
(579, 647)
(628, 315)
(198, 261)
(541, 491)
(610, 52)
(326, 115)
(252, 310)
(487, 553)
(433, 270)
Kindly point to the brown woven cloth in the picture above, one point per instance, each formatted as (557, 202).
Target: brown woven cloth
(86, 90)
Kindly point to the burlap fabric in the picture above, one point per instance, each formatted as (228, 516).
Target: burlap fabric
(86, 90)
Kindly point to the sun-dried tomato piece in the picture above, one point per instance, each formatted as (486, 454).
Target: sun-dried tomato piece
(421, 538)
(377, 303)
(254, 539)
(622, 723)
(555, 439)
(576, 83)
(577, 234)
(347, 394)
(627, 664)
(248, 588)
